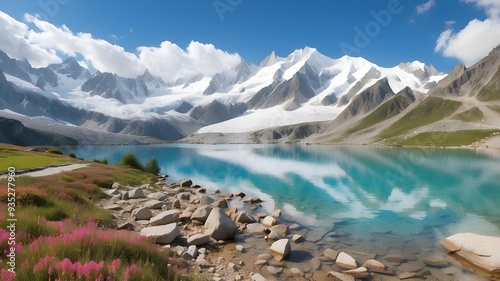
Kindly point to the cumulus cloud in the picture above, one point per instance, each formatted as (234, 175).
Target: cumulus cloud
(463, 44)
(41, 43)
(15, 42)
(425, 7)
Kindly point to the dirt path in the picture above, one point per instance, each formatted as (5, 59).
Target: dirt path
(50, 171)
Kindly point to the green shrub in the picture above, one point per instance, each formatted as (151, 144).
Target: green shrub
(152, 167)
(131, 160)
(72, 155)
(55, 151)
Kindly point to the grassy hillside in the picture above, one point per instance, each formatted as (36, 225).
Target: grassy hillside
(472, 115)
(491, 92)
(387, 110)
(431, 110)
(445, 139)
(62, 234)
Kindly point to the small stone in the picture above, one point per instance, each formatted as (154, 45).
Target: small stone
(260, 262)
(206, 200)
(154, 204)
(255, 228)
(376, 266)
(211, 270)
(360, 272)
(265, 257)
(281, 229)
(297, 238)
(113, 207)
(232, 266)
(330, 253)
(258, 277)
(436, 261)
(297, 272)
(274, 270)
(276, 213)
(126, 226)
(394, 257)
(241, 195)
(345, 261)
(407, 275)
(240, 248)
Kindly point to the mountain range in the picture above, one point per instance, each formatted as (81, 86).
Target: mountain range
(305, 97)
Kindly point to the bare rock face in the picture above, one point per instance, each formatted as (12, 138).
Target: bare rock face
(479, 250)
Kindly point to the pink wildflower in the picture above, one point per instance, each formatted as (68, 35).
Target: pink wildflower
(43, 263)
(131, 271)
(114, 265)
(66, 266)
(6, 275)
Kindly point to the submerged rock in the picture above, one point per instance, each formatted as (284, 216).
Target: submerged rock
(479, 250)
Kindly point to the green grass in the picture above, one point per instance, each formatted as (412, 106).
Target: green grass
(472, 115)
(489, 93)
(431, 110)
(383, 112)
(21, 160)
(60, 223)
(447, 139)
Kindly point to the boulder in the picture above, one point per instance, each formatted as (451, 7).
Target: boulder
(201, 214)
(136, 193)
(184, 196)
(297, 238)
(255, 228)
(276, 213)
(435, 261)
(117, 185)
(243, 217)
(191, 253)
(198, 239)
(273, 236)
(281, 229)
(258, 277)
(176, 204)
(161, 196)
(186, 182)
(269, 222)
(206, 200)
(165, 217)
(337, 276)
(281, 249)
(154, 204)
(220, 204)
(219, 226)
(142, 213)
(345, 261)
(479, 250)
(163, 234)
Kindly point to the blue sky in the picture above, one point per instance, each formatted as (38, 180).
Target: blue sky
(254, 28)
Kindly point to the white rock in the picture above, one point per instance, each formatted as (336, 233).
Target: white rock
(206, 200)
(255, 228)
(269, 222)
(142, 213)
(258, 277)
(282, 248)
(337, 276)
(154, 204)
(243, 217)
(297, 238)
(165, 217)
(198, 239)
(158, 196)
(376, 266)
(163, 234)
(297, 272)
(136, 193)
(201, 214)
(480, 250)
(219, 226)
(330, 253)
(360, 272)
(345, 261)
(240, 248)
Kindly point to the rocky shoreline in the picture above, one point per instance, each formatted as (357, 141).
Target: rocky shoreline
(229, 237)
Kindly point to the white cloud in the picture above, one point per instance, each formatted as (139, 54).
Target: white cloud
(463, 44)
(14, 41)
(40, 42)
(425, 7)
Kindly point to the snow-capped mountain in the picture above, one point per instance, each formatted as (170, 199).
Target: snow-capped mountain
(306, 86)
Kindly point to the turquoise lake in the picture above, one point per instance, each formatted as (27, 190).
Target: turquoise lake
(411, 194)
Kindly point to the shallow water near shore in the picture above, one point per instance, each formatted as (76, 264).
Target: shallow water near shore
(353, 198)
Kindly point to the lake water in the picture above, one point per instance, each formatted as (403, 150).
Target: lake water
(372, 198)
